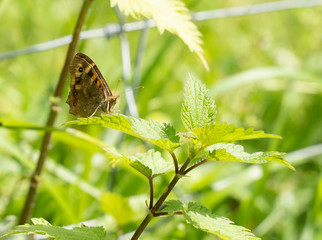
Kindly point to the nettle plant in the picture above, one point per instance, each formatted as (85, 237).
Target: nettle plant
(208, 141)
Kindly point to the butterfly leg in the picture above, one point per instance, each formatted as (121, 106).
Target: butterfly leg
(95, 110)
(107, 107)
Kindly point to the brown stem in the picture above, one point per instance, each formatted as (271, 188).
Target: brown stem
(155, 208)
(195, 165)
(175, 162)
(24, 218)
(142, 226)
(159, 214)
(160, 201)
(151, 192)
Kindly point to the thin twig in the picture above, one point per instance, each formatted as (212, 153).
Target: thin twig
(175, 162)
(155, 208)
(159, 214)
(161, 199)
(151, 192)
(195, 165)
(24, 218)
(114, 29)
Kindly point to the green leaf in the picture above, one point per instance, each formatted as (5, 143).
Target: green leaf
(41, 226)
(150, 163)
(177, 20)
(172, 206)
(161, 135)
(117, 206)
(217, 132)
(202, 218)
(198, 108)
(230, 152)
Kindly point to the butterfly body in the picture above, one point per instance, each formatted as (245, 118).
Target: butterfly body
(89, 93)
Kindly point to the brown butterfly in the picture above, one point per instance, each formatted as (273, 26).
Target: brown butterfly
(89, 93)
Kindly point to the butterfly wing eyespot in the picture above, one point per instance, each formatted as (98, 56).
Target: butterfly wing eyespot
(89, 93)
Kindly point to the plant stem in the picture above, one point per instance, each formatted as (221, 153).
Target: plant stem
(160, 201)
(142, 226)
(151, 192)
(155, 208)
(175, 162)
(165, 193)
(24, 218)
(195, 165)
(159, 214)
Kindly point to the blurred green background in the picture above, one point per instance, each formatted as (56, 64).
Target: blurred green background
(265, 72)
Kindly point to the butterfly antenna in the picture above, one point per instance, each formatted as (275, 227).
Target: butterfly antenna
(118, 82)
(130, 90)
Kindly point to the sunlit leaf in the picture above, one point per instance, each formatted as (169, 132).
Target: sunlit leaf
(162, 135)
(172, 206)
(171, 15)
(41, 226)
(150, 163)
(198, 108)
(230, 152)
(223, 133)
(202, 218)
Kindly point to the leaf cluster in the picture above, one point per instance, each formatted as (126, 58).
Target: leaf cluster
(209, 140)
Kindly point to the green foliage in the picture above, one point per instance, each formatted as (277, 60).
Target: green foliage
(217, 132)
(41, 226)
(172, 206)
(206, 136)
(178, 20)
(202, 218)
(162, 135)
(150, 164)
(198, 109)
(198, 113)
(235, 153)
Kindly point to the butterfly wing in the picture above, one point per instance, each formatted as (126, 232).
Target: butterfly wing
(88, 89)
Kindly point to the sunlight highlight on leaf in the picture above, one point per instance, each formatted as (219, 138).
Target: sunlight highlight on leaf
(161, 134)
(41, 226)
(150, 163)
(230, 152)
(171, 15)
(198, 108)
(222, 133)
(202, 218)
